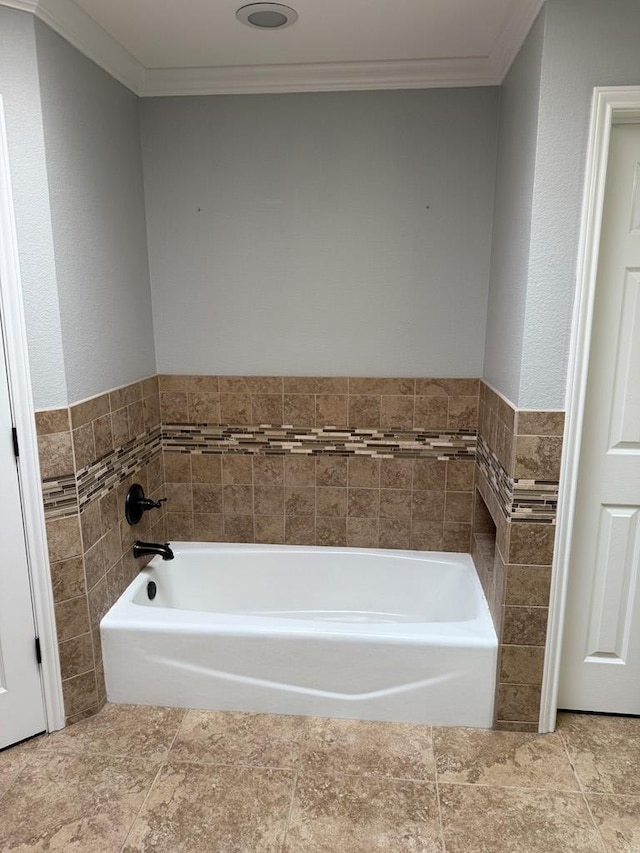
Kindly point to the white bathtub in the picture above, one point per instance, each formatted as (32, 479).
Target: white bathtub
(338, 632)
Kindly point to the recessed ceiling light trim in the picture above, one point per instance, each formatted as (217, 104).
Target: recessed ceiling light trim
(267, 16)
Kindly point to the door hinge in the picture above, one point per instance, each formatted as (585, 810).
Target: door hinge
(14, 436)
(38, 650)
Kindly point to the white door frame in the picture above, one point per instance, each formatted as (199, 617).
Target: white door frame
(15, 341)
(609, 105)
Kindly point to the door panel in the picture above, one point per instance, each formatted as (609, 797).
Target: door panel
(601, 648)
(21, 700)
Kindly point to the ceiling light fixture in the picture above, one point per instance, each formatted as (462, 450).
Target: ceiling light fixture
(267, 16)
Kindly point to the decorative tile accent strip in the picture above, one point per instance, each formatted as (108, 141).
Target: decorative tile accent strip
(97, 480)
(533, 501)
(269, 440)
(60, 496)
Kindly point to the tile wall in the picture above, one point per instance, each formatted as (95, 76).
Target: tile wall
(517, 477)
(320, 461)
(434, 464)
(89, 455)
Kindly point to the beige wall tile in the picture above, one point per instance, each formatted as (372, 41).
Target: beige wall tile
(207, 498)
(94, 565)
(540, 423)
(52, 420)
(267, 409)
(518, 702)
(331, 470)
(269, 529)
(537, 457)
(528, 585)
(84, 446)
(315, 385)
(67, 579)
(531, 544)
(174, 407)
(103, 436)
(396, 473)
(521, 664)
(426, 535)
(363, 503)
(362, 532)
(179, 497)
(364, 411)
(427, 506)
(76, 656)
(237, 500)
(364, 472)
(429, 474)
(79, 693)
(237, 469)
(206, 468)
(331, 501)
(268, 470)
(331, 410)
(125, 396)
(299, 409)
(72, 618)
(300, 530)
(207, 527)
(91, 524)
(300, 500)
(63, 538)
(463, 413)
(431, 412)
(251, 384)
(456, 537)
(90, 410)
(177, 466)
(376, 386)
(268, 500)
(299, 470)
(524, 626)
(397, 412)
(179, 526)
(458, 507)
(460, 475)
(151, 412)
(55, 452)
(120, 427)
(395, 533)
(395, 503)
(331, 532)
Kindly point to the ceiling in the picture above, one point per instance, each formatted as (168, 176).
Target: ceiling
(163, 47)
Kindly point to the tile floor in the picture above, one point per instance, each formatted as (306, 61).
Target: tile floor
(141, 780)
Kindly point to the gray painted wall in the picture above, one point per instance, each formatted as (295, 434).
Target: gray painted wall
(91, 130)
(587, 43)
(20, 94)
(290, 233)
(515, 172)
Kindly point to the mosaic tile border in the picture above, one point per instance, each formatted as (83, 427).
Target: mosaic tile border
(66, 496)
(380, 444)
(532, 501)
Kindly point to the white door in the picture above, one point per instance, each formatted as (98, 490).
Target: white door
(21, 700)
(600, 668)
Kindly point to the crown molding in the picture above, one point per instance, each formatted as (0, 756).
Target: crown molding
(319, 77)
(80, 30)
(511, 37)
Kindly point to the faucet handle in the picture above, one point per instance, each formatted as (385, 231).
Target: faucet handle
(136, 504)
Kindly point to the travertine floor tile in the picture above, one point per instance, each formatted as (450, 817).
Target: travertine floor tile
(354, 815)
(79, 803)
(618, 819)
(363, 748)
(476, 819)
(14, 759)
(213, 737)
(199, 808)
(605, 751)
(513, 759)
(121, 730)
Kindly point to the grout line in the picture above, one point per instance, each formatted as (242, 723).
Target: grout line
(437, 786)
(294, 785)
